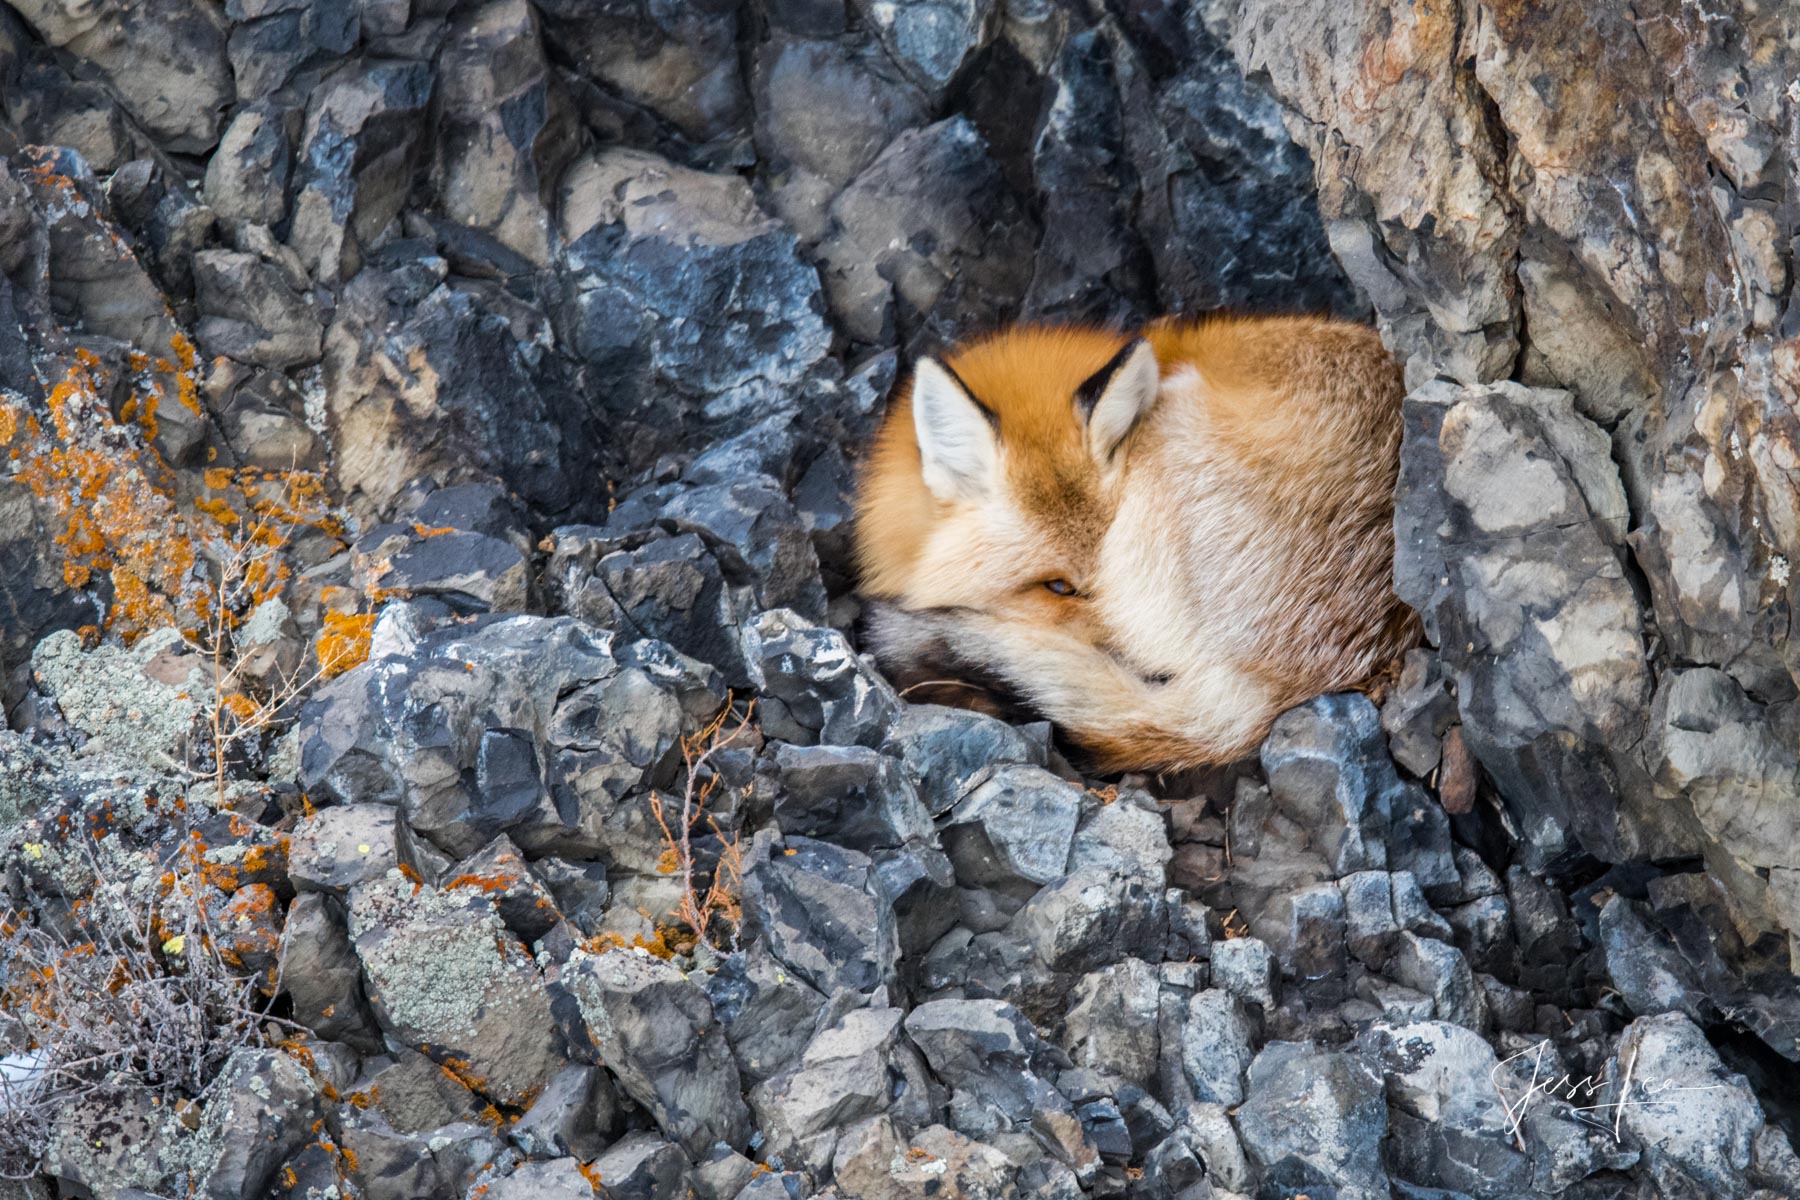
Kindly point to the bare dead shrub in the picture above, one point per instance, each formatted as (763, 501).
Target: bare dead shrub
(705, 898)
(133, 993)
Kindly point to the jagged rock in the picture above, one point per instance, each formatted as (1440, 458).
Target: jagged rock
(824, 109)
(1246, 968)
(1128, 836)
(164, 60)
(355, 162)
(818, 908)
(254, 310)
(499, 871)
(413, 1094)
(669, 588)
(556, 1179)
(1418, 713)
(1014, 831)
(875, 1163)
(572, 1115)
(855, 796)
(1112, 1023)
(507, 131)
(530, 726)
(856, 1068)
(443, 973)
(642, 1166)
(1329, 771)
(339, 847)
(1551, 677)
(410, 371)
(247, 176)
(749, 525)
(990, 1058)
(930, 41)
(1088, 919)
(322, 975)
(769, 1015)
(1647, 971)
(1450, 1126)
(1315, 1118)
(269, 1105)
(932, 209)
(816, 690)
(680, 63)
(950, 748)
(1695, 1120)
(468, 570)
(685, 297)
(1216, 1048)
(651, 1026)
(1439, 970)
(1730, 758)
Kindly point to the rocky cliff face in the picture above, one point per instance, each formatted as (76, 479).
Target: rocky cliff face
(437, 758)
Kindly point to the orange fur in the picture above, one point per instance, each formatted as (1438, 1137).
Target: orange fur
(1232, 557)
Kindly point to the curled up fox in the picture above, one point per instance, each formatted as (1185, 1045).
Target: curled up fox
(1158, 542)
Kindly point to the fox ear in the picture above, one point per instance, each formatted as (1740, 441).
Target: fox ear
(957, 446)
(1115, 398)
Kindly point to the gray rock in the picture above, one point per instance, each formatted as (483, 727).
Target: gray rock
(824, 109)
(1086, 920)
(1315, 1118)
(1646, 970)
(853, 795)
(254, 310)
(816, 690)
(267, 1108)
(930, 41)
(685, 297)
(856, 1068)
(1329, 771)
(355, 162)
(444, 976)
(875, 1163)
(470, 572)
(818, 909)
(642, 1166)
(507, 128)
(990, 1057)
(530, 726)
(1695, 1120)
(1418, 713)
(1112, 1024)
(555, 1179)
(1129, 836)
(1015, 830)
(339, 847)
(680, 63)
(1551, 676)
(949, 749)
(1451, 1127)
(1439, 970)
(1216, 1047)
(165, 61)
(410, 371)
(932, 209)
(669, 588)
(322, 975)
(247, 176)
(655, 1030)
(769, 1013)
(1246, 968)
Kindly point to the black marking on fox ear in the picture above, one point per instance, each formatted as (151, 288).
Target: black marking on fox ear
(1094, 386)
(993, 418)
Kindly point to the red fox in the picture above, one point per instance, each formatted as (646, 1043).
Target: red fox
(1158, 542)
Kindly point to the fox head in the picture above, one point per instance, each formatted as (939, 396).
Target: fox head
(990, 489)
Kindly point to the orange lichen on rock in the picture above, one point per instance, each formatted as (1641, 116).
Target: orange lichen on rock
(343, 641)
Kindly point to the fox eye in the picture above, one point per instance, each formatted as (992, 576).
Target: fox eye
(1060, 587)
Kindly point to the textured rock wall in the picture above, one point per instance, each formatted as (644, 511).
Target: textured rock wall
(1575, 223)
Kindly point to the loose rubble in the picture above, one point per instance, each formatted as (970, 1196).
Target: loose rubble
(430, 434)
